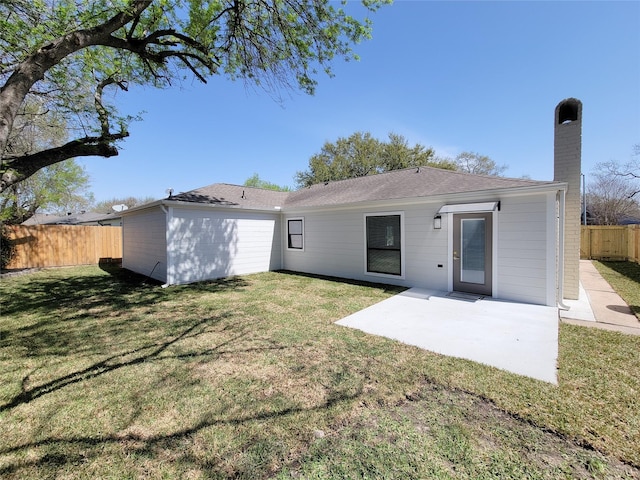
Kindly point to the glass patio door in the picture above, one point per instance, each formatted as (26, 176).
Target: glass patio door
(472, 250)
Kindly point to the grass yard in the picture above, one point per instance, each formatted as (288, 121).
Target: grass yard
(102, 376)
(624, 277)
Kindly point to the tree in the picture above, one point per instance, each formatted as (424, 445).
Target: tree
(471, 162)
(610, 197)
(106, 206)
(257, 182)
(58, 187)
(68, 52)
(62, 187)
(361, 154)
(630, 171)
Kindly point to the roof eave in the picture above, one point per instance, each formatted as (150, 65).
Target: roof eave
(199, 205)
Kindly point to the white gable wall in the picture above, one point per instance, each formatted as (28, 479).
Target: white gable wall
(144, 245)
(205, 244)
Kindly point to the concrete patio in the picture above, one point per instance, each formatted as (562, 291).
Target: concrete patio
(516, 337)
(520, 338)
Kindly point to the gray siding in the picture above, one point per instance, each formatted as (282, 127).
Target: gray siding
(523, 274)
(334, 245)
(144, 246)
(524, 245)
(205, 244)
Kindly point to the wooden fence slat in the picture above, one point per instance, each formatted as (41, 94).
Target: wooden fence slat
(40, 246)
(611, 242)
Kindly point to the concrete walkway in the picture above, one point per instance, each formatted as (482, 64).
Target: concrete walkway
(599, 306)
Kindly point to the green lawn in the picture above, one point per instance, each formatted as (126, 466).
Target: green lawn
(103, 376)
(624, 277)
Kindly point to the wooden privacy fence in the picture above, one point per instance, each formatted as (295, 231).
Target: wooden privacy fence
(615, 242)
(39, 246)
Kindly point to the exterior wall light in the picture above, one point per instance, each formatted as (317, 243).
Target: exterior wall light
(437, 222)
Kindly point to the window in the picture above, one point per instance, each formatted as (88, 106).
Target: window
(384, 244)
(295, 234)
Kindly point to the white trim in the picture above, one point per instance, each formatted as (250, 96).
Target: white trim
(469, 207)
(561, 233)
(286, 228)
(450, 253)
(494, 255)
(169, 237)
(552, 246)
(403, 250)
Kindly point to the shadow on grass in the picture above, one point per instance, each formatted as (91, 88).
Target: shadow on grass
(149, 445)
(142, 354)
(387, 288)
(63, 310)
(631, 271)
(63, 452)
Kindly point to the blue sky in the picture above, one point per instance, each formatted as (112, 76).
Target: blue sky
(456, 76)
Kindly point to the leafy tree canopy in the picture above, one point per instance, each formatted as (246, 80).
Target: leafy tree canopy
(361, 154)
(58, 188)
(106, 206)
(255, 181)
(67, 53)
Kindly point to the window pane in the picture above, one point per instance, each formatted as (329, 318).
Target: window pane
(384, 261)
(383, 232)
(383, 244)
(295, 227)
(473, 250)
(294, 234)
(295, 241)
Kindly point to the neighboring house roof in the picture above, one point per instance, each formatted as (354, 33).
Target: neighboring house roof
(397, 184)
(629, 220)
(71, 219)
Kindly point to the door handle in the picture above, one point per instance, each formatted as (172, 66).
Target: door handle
(455, 256)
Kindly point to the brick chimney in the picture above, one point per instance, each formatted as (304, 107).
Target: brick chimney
(567, 152)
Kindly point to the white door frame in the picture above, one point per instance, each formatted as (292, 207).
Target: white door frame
(494, 252)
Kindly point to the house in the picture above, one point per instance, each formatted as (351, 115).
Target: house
(418, 227)
(82, 218)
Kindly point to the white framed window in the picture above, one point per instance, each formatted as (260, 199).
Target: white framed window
(384, 244)
(295, 234)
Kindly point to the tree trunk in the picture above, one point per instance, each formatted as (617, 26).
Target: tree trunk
(33, 69)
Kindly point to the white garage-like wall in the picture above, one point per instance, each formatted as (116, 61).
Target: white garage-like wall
(205, 244)
(144, 243)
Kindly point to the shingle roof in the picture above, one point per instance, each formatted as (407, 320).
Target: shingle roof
(398, 184)
(227, 195)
